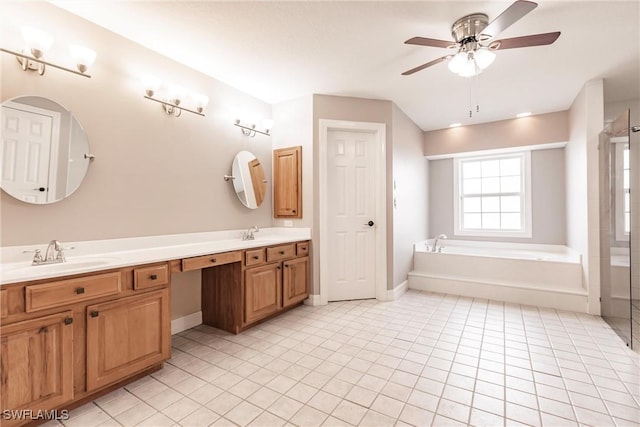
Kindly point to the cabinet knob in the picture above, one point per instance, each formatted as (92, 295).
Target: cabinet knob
(294, 211)
(213, 260)
(94, 313)
(286, 265)
(281, 252)
(153, 277)
(256, 257)
(80, 291)
(278, 267)
(68, 320)
(43, 330)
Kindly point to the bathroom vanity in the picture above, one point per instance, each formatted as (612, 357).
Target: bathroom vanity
(69, 335)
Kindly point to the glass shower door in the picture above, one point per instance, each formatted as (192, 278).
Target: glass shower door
(616, 175)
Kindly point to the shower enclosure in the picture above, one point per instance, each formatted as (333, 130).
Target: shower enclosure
(619, 229)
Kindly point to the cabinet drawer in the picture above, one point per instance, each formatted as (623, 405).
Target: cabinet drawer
(205, 261)
(63, 292)
(147, 277)
(302, 249)
(254, 257)
(281, 252)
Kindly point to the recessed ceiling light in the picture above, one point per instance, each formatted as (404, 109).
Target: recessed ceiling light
(525, 114)
(455, 125)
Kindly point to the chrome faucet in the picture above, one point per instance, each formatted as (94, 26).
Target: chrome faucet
(53, 249)
(435, 242)
(248, 235)
(53, 255)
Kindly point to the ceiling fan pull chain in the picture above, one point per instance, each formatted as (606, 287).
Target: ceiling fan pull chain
(477, 93)
(470, 99)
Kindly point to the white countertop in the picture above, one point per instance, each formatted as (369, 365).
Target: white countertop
(96, 255)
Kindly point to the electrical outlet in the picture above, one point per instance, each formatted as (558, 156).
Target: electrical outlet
(287, 223)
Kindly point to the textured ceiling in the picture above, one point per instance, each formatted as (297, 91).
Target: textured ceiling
(278, 51)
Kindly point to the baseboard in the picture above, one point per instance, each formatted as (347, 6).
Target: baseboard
(187, 322)
(398, 291)
(313, 300)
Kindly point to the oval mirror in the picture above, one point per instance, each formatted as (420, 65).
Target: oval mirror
(248, 179)
(45, 151)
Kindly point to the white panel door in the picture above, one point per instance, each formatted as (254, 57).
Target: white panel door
(351, 215)
(25, 150)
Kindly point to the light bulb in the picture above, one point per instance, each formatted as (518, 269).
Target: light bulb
(201, 101)
(457, 62)
(176, 93)
(150, 83)
(37, 41)
(484, 57)
(83, 56)
(267, 124)
(470, 67)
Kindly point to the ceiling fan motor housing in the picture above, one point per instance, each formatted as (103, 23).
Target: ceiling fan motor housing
(468, 28)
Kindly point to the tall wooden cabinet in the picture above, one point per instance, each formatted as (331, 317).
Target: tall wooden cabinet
(287, 182)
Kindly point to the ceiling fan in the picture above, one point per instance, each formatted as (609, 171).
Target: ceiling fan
(474, 40)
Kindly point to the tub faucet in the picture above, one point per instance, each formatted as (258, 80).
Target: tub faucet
(248, 235)
(435, 242)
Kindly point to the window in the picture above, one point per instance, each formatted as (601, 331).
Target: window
(622, 191)
(492, 195)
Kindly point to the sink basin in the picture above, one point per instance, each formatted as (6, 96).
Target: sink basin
(70, 264)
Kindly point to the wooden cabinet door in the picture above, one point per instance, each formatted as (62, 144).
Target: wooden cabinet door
(295, 280)
(127, 336)
(36, 363)
(262, 292)
(287, 182)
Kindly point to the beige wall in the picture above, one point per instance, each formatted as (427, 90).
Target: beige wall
(586, 118)
(532, 130)
(547, 199)
(410, 189)
(153, 174)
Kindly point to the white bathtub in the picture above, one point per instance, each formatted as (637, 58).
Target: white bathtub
(543, 275)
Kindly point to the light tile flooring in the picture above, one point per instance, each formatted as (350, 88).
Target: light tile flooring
(425, 359)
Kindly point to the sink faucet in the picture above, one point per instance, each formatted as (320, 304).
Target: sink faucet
(53, 249)
(435, 242)
(248, 235)
(53, 255)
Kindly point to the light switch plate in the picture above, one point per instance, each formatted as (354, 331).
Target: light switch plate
(287, 223)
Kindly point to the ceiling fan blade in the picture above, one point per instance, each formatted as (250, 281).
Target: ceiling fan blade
(512, 14)
(423, 41)
(525, 41)
(427, 65)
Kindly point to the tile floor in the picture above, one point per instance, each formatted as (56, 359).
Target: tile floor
(425, 359)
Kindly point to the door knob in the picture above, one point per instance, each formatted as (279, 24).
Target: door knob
(370, 223)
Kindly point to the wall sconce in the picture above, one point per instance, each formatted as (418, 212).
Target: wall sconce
(175, 96)
(38, 42)
(250, 130)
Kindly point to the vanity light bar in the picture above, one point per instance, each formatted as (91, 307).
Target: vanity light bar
(170, 107)
(250, 130)
(27, 58)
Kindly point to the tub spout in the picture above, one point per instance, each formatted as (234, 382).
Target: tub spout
(437, 248)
